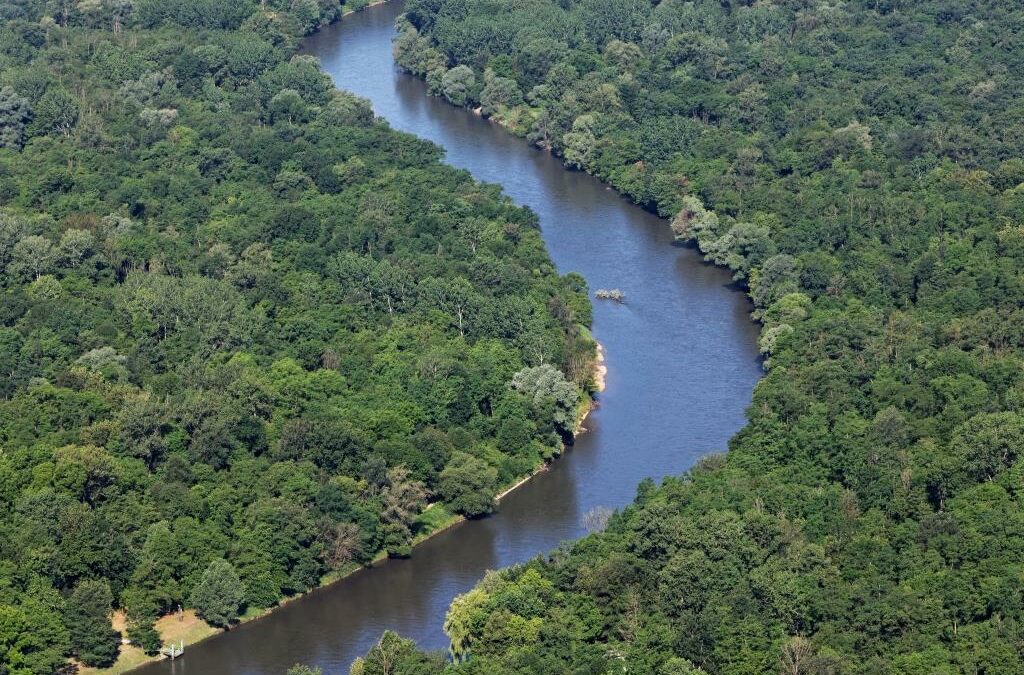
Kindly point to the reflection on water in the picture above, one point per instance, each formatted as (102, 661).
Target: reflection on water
(682, 363)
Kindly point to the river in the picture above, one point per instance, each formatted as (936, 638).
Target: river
(681, 356)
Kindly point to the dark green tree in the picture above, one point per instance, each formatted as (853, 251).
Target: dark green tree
(468, 484)
(15, 113)
(219, 595)
(55, 113)
(87, 617)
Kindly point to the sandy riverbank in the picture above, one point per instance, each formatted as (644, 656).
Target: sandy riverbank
(372, 4)
(600, 369)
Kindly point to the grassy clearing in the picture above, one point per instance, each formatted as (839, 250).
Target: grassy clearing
(173, 628)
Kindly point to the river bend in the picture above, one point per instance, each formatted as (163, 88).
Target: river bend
(681, 354)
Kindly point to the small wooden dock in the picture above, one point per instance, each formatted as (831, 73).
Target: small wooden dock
(172, 652)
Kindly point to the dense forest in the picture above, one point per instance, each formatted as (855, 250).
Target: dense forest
(859, 166)
(247, 331)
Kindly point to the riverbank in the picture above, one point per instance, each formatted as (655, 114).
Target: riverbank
(600, 369)
(187, 628)
(347, 12)
(600, 372)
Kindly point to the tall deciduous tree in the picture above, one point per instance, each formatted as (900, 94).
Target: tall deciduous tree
(457, 84)
(56, 112)
(468, 484)
(402, 499)
(33, 638)
(395, 655)
(546, 384)
(15, 113)
(87, 617)
(219, 595)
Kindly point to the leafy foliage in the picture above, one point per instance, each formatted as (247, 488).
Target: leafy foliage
(468, 485)
(395, 654)
(219, 594)
(857, 166)
(247, 329)
(93, 641)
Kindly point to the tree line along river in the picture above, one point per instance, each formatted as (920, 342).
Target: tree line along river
(682, 361)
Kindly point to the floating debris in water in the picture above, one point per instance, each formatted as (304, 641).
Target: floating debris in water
(611, 294)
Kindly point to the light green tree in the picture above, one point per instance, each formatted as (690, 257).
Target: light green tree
(545, 383)
(581, 142)
(457, 83)
(302, 669)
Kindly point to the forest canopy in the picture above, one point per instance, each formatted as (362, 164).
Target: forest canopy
(248, 332)
(858, 165)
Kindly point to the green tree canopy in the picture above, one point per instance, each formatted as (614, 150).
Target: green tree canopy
(87, 616)
(468, 484)
(219, 595)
